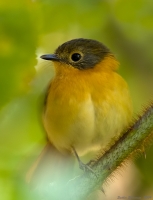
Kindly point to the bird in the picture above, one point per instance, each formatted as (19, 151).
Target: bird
(87, 102)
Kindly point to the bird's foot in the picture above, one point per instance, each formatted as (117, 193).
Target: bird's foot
(84, 167)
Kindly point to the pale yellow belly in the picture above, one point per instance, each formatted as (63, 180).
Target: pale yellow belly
(87, 126)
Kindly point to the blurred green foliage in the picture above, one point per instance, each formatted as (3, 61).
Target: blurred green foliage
(33, 27)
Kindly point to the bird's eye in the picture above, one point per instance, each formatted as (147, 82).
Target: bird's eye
(76, 57)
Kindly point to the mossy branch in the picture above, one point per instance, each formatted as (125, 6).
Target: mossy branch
(133, 141)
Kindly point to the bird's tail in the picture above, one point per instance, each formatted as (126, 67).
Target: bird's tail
(50, 168)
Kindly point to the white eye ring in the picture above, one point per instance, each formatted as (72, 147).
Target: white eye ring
(76, 56)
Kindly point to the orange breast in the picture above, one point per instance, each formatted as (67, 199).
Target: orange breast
(85, 108)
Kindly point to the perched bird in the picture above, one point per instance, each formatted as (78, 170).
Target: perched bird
(87, 102)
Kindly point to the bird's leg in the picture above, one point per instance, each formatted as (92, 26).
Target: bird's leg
(91, 162)
(82, 166)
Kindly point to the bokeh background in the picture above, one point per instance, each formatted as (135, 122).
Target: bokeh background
(29, 28)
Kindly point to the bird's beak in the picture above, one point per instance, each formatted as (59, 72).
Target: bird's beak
(50, 57)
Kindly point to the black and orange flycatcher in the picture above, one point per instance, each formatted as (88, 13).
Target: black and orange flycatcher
(87, 102)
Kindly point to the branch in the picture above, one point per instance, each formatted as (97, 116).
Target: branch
(133, 141)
